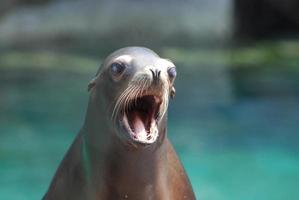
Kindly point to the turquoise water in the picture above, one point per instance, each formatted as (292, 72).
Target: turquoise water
(245, 148)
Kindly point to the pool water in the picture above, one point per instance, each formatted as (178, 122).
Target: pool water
(245, 149)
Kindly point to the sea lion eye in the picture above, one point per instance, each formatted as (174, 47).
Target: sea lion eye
(117, 68)
(171, 72)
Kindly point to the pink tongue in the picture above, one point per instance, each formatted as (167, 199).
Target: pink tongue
(137, 124)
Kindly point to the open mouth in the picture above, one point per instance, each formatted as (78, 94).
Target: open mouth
(141, 118)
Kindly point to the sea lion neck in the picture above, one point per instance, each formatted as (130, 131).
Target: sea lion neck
(137, 173)
(97, 127)
(124, 165)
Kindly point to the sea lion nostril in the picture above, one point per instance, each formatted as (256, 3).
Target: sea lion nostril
(156, 75)
(153, 73)
(158, 72)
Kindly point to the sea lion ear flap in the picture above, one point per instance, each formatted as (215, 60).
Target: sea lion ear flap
(172, 92)
(91, 84)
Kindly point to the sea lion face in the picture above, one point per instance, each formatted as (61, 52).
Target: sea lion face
(140, 83)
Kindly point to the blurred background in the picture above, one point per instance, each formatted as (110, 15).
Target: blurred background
(234, 121)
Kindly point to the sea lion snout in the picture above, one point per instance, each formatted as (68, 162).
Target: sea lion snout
(156, 75)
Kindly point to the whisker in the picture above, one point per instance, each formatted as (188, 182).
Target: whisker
(136, 89)
(119, 102)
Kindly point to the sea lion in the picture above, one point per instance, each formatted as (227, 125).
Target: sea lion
(122, 150)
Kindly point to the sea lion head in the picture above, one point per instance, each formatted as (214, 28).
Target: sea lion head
(132, 89)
